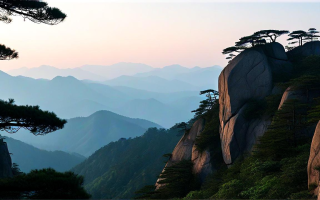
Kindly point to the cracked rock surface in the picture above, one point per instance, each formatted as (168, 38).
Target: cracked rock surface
(186, 150)
(249, 76)
(314, 160)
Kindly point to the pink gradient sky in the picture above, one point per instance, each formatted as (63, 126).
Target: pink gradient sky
(158, 34)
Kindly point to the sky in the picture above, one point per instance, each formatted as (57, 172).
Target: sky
(154, 32)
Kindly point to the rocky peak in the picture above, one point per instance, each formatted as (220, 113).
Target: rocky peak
(308, 49)
(249, 76)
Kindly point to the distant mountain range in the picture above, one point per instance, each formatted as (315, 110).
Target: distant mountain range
(116, 70)
(135, 75)
(85, 135)
(49, 72)
(69, 98)
(29, 157)
(152, 83)
(90, 72)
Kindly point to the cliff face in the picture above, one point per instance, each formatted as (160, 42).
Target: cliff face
(186, 150)
(5, 161)
(248, 77)
(314, 161)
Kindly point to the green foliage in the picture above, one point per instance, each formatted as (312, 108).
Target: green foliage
(177, 181)
(30, 157)
(287, 128)
(209, 138)
(183, 127)
(15, 169)
(207, 104)
(13, 117)
(255, 109)
(120, 168)
(314, 112)
(43, 184)
(277, 167)
(146, 192)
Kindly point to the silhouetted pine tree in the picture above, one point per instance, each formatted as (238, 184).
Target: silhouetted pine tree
(13, 117)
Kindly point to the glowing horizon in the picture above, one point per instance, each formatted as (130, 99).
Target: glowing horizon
(157, 34)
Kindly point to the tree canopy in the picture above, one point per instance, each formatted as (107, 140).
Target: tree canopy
(43, 184)
(312, 34)
(298, 35)
(14, 117)
(258, 38)
(35, 10)
(7, 54)
(271, 34)
(207, 104)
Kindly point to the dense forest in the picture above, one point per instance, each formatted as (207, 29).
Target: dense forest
(120, 168)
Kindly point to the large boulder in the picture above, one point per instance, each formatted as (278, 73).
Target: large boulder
(248, 77)
(5, 161)
(314, 160)
(308, 49)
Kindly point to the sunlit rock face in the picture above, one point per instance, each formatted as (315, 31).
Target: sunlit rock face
(186, 150)
(314, 161)
(249, 76)
(5, 161)
(202, 165)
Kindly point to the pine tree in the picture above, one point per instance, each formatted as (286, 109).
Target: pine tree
(298, 35)
(272, 35)
(35, 10)
(258, 38)
(312, 34)
(13, 117)
(207, 104)
(285, 132)
(177, 181)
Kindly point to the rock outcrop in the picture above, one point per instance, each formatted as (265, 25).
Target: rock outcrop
(202, 165)
(303, 96)
(308, 49)
(5, 161)
(186, 150)
(314, 161)
(249, 76)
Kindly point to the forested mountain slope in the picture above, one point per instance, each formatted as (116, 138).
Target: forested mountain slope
(29, 157)
(120, 168)
(85, 135)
